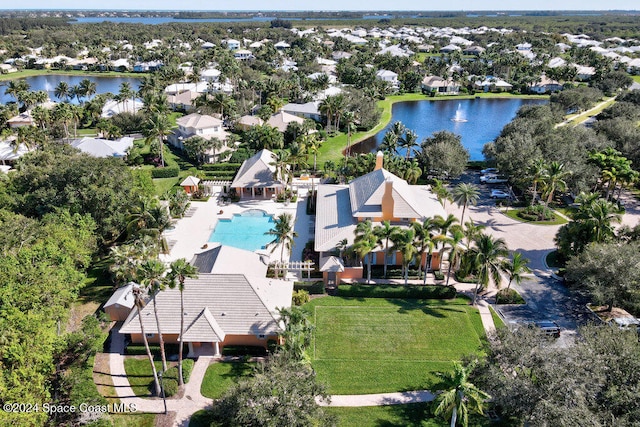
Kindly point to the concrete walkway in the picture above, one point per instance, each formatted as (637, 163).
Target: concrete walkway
(380, 399)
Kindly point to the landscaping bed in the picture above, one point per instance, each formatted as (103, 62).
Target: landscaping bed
(509, 296)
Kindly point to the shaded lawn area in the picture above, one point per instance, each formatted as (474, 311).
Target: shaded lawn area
(376, 345)
(513, 214)
(409, 415)
(140, 375)
(220, 376)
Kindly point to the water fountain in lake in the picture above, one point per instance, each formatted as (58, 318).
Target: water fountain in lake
(459, 117)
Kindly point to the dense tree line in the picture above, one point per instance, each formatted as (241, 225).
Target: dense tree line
(59, 211)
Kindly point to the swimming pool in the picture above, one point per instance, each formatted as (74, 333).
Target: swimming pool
(244, 231)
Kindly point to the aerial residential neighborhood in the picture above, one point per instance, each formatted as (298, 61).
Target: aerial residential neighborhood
(331, 218)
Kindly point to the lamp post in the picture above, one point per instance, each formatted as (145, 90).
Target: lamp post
(164, 399)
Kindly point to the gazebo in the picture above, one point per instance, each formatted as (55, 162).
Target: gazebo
(257, 176)
(190, 184)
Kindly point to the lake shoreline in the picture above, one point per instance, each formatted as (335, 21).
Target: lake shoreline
(388, 103)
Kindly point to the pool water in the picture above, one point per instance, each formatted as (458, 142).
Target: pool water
(244, 231)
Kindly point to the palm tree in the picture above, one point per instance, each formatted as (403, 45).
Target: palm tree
(515, 268)
(409, 142)
(179, 271)
(457, 235)
(471, 232)
(459, 396)
(139, 302)
(86, 88)
(424, 242)
(283, 233)
(554, 180)
(443, 225)
(403, 242)
(313, 145)
(61, 91)
(465, 194)
(14, 87)
(413, 172)
(598, 216)
(158, 128)
(126, 93)
(349, 119)
(327, 108)
(151, 276)
(487, 255)
(385, 231)
(441, 192)
(365, 242)
(537, 170)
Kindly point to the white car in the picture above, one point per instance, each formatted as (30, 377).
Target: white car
(496, 179)
(499, 194)
(489, 171)
(483, 178)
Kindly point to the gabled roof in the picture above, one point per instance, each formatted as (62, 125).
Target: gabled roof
(257, 172)
(331, 264)
(228, 260)
(236, 305)
(10, 152)
(204, 329)
(123, 296)
(190, 181)
(199, 121)
(334, 220)
(281, 120)
(97, 147)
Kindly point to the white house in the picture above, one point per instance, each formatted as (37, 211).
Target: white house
(204, 126)
(438, 85)
(98, 147)
(389, 77)
(233, 44)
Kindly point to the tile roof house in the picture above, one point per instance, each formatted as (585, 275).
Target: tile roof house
(98, 147)
(545, 85)
(121, 302)
(438, 85)
(377, 196)
(257, 176)
(219, 310)
(204, 126)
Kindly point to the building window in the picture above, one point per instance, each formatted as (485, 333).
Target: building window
(150, 335)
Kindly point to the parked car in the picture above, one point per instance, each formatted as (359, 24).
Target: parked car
(499, 194)
(483, 178)
(489, 170)
(627, 323)
(549, 327)
(496, 179)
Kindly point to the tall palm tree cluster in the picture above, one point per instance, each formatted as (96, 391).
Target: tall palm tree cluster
(615, 171)
(137, 260)
(550, 178)
(469, 251)
(348, 168)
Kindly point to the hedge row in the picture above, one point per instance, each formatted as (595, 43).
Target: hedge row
(166, 172)
(397, 291)
(139, 350)
(221, 167)
(220, 173)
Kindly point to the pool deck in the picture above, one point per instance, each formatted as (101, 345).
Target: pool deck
(191, 233)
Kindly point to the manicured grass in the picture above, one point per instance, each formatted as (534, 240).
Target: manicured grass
(140, 375)
(636, 78)
(163, 185)
(513, 214)
(375, 345)
(397, 291)
(30, 73)
(220, 376)
(200, 418)
(497, 320)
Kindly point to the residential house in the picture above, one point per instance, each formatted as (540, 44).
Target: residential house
(184, 101)
(281, 120)
(243, 54)
(190, 184)
(232, 44)
(584, 73)
(219, 310)
(450, 48)
(438, 86)
(98, 147)
(281, 45)
(389, 77)
(248, 121)
(204, 126)
(492, 84)
(545, 85)
(257, 176)
(210, 75)
(22, 119)
(10, 151)
(113, 107)
(377, 196)
(307, 110)
(473, 50)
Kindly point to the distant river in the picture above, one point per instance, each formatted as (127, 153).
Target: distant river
(478, 120)
(49, 83)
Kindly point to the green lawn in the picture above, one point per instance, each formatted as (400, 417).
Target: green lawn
(497, 320)
(375, 345)
(636, 78)
(139, 374)
(513, 214)
(29, 73)
(220, 376)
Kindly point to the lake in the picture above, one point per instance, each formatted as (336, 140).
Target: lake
(49, 83)
(477, 121)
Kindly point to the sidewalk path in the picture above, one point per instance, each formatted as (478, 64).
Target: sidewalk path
(380, 399)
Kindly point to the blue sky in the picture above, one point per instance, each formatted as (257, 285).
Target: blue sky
(332, 5)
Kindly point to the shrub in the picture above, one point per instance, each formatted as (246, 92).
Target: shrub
(509, 296)
(536, 213)
(170, 386)
(439, 275)
(313, 288)
(187, 367)
(243, 350)
(397, 291)
(166, 172)
(221, 167)
(300, 297)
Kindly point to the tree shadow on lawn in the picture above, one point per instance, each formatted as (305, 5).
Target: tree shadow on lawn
(430, 310)
(412, 414)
